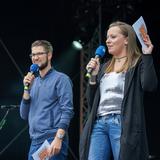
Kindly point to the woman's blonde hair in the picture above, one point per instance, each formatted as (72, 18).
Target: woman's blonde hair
(132, 48)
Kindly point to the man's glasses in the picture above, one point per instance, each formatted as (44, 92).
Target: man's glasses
(37, 54)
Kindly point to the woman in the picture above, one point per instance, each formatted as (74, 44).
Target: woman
(116, 124)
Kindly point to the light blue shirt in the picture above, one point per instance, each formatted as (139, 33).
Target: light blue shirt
(50, 106)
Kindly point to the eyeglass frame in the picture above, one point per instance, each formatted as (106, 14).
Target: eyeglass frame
(37, 54)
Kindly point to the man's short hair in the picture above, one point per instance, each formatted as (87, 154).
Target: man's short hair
(45, 44)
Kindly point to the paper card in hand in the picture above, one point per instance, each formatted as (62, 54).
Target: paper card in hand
(141, 30)
(41, 153)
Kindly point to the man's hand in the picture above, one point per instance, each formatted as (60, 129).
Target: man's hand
(56, 144)
(55, 147)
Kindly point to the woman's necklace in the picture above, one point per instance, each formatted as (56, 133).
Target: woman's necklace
(118, 59)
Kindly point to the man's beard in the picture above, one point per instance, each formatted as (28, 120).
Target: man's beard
(43, 66)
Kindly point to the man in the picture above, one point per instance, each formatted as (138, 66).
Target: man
(47, 104)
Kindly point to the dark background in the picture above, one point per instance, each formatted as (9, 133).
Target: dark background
(61, 22)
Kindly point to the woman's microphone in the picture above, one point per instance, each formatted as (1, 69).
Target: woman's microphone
(100, 52)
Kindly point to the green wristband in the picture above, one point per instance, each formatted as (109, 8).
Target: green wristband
(26, 88)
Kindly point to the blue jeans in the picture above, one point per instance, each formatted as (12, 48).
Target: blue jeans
(61, 156)
(105, 138)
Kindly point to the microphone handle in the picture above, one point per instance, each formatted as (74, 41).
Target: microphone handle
(26, 86)
(88, 74)
(89, 71)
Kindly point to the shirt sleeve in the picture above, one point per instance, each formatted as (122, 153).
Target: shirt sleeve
(24, 109)
(65, 94)
(149, 80)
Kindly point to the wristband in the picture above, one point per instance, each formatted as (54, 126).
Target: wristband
(26, 88)
(92, 80)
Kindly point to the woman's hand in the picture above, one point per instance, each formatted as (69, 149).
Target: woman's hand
(149, 46)
(93, 64)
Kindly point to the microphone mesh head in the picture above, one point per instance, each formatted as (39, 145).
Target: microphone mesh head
(34, 68)
(100, 51)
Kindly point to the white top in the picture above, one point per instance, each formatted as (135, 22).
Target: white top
(111, 93)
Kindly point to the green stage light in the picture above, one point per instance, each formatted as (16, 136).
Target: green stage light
(77, 45)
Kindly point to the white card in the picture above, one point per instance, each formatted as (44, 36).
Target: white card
(41, 153)
(141, 30)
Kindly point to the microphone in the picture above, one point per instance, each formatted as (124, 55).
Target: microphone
(100, 52)
(33, 69)
(9, 106)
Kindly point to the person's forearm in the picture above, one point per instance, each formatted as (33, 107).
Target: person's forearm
(60, 133)
(92, 80)
(26, 95)
(148, 74)
(24, 108)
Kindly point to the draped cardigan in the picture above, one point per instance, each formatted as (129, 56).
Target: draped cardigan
(133, 142)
